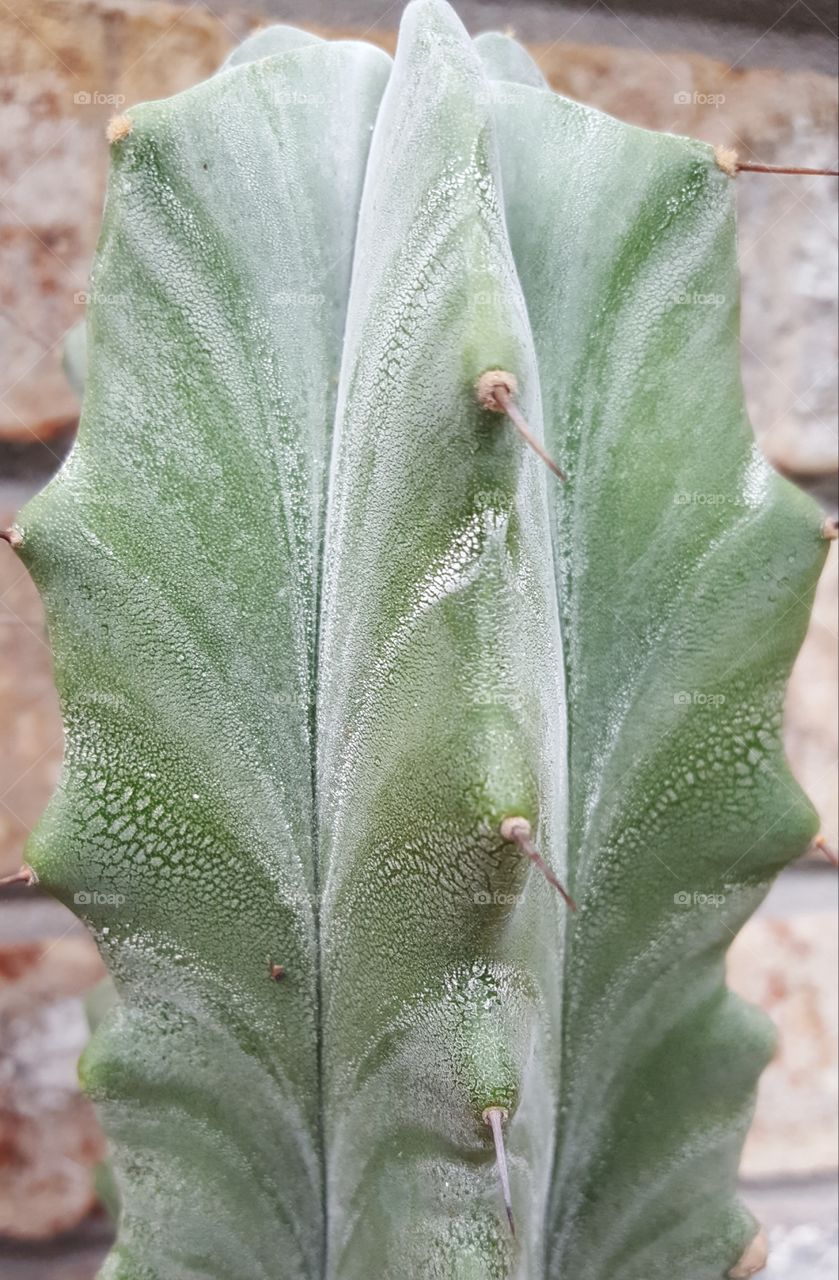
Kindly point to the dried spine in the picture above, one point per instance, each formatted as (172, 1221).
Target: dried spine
(495, 390)
(495, 1117)
(519, 831)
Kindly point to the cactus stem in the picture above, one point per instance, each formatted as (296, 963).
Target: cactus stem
(277, 972)
(25, 875)
(495, 390)
(821, 844)
(13, 536)
(830, 529)
(519, 831)
(495, 1117)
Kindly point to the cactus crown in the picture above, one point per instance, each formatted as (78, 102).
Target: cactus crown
(335, 649)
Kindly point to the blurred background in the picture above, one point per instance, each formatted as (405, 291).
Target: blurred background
(758, 75)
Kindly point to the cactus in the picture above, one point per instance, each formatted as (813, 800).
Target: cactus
(335, 649)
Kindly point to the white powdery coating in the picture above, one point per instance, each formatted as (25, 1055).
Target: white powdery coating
(186, 532)
(206, 787)
(674, 711)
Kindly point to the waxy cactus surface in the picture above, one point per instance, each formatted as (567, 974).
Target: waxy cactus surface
(322, 622)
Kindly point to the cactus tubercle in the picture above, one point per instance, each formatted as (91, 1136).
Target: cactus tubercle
(753, 1260)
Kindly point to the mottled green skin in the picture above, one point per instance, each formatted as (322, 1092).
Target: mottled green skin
(320, 623)
(178, 553)
(635, 327)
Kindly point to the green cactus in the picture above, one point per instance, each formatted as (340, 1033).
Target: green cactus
(322, 623)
